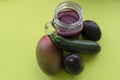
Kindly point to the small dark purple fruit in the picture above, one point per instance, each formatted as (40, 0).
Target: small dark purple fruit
(73, 64)
(48, 56)
(91, 30)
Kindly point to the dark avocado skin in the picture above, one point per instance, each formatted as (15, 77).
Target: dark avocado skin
(73, 64)
(91, 30)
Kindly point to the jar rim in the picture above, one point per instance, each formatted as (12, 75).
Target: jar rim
(68, 5)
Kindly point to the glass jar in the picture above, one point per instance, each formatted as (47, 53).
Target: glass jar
(68, 19)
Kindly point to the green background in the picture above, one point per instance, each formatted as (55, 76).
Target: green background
(22, 25)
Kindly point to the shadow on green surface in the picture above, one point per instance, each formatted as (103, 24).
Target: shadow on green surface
(64, 76)
(61, 76)
(89, 57)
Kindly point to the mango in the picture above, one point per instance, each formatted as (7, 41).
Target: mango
(49, 58)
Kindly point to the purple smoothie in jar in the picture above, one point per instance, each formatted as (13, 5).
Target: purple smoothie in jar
(68, 16)
(68, 19)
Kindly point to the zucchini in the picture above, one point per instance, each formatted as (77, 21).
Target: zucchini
(75, 45)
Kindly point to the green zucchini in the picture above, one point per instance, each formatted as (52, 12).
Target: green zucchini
(75, 45)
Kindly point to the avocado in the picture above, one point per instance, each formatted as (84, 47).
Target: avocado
(91, 30)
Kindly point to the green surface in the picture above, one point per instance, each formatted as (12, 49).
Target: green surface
(22, 25)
